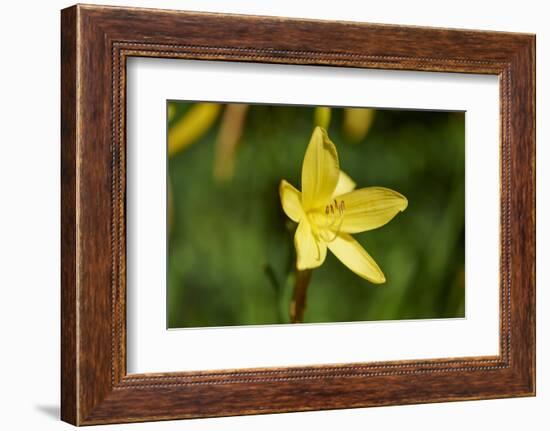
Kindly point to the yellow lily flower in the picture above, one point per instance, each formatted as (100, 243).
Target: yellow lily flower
(329, 209)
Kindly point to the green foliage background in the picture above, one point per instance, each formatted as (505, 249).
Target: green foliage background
(231, 254)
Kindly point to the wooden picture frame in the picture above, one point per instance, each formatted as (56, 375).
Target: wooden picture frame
(95, 43)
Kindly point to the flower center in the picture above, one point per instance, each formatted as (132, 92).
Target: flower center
(333, 219)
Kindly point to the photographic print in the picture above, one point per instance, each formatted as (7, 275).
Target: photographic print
(281, 214)
(294, 217)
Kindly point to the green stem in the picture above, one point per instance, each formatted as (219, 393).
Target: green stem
(298, 304)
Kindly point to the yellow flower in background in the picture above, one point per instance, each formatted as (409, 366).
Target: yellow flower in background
(198, 120)
(329, 209)
(356, 121)
(192, 126)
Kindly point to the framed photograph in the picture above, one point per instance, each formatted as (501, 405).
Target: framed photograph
(268, 215)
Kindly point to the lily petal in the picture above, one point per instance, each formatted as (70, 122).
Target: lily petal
(345, 184)
(320, 170)
(310, 252)
(356, 258)
(369, 208)
(291, 201)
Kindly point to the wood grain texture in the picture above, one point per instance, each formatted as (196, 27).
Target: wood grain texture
(69, 366)
(96, 41)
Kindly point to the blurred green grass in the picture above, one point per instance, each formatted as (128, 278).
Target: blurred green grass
(231, 255)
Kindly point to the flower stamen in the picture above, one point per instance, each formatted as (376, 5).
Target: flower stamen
(334, 217)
